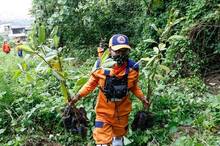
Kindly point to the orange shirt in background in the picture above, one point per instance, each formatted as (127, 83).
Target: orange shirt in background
(6, 48)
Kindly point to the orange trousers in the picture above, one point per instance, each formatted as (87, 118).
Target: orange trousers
(108, 127)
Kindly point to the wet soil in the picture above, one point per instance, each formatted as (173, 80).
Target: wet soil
(40, 142)
(184, 129)
(213, 81)
(143, 120)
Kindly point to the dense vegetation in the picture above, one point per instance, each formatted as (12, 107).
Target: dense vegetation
(184, 37)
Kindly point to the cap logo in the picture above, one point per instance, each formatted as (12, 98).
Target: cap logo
(121, 40)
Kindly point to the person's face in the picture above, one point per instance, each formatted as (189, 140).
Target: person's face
(120, 56)
(122, 51)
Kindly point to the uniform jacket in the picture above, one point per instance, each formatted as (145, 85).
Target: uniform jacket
(116, 108)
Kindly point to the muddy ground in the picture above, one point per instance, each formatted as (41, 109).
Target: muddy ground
(213, 81)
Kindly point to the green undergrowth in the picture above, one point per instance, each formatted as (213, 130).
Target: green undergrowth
(185, 112)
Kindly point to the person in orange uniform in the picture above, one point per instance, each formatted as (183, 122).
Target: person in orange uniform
(115, 84)
(100, 49)
(5, 47)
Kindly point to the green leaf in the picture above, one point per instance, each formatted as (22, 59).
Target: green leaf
(58, 75)
(150, 41)
(29, 77)
(68, 59)
(158, 77)
(157, 4)
(17, 74)
(46, 48)
(167, 69)
(165, 32)
(155, 27)
(173, 129)
(108, 63)
(49, 58)
(146, 59)
(105, 56)
(29, 113)
(79, 83)
(178, 21)
(42, 34)
(24, 66)
(61, 2)
(176, 37)
(162, 46)
(2, 131)
(51, 55)
(25, 48)
(20, 67)
(126, 141)
(54, 31)
(56, 41)
(152, 59)
(65, 91)
(156, 50)
(39, 66)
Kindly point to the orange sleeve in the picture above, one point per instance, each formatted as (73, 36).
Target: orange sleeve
(90, 85)
(136, 90)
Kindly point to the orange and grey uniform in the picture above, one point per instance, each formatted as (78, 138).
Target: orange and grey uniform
(112, 116)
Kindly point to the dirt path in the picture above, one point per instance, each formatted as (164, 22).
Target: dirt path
(213, 80)
(40, 142)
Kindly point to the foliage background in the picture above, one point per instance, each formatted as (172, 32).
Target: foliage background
(186, 111)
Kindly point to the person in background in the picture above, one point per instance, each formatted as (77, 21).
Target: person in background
(100, 49)
(6, 47)
(18, 43)
(115, 83)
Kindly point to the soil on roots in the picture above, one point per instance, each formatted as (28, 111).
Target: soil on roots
(143, 120)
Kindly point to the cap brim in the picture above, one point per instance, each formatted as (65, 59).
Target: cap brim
(118, 47)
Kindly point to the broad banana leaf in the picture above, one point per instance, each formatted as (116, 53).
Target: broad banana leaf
(105, 56)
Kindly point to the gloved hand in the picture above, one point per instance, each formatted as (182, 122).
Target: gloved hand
(74, 99)
(102, 43)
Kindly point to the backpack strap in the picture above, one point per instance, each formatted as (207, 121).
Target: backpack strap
(106, 72)
(127, 70)
(98, 63)
(96, 66)
(134, 65)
